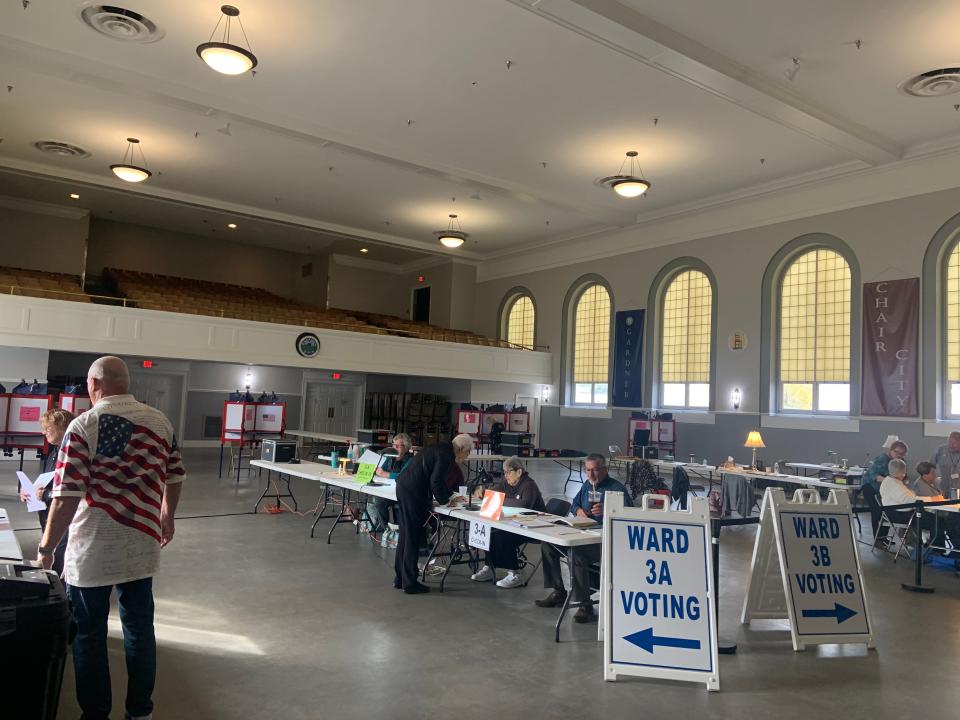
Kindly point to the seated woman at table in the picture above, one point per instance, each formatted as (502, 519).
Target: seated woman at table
(926, 484)
(894, 491)
(392, 465)
(520, 491)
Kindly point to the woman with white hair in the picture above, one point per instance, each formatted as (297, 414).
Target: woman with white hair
(393, 465)
(423, 476)
(895, 491)
(521, 491)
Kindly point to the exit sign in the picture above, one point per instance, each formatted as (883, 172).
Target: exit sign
(336, 376)
(147, 363)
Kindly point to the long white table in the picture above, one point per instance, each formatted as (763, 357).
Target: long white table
(9, 545)
(561, 536)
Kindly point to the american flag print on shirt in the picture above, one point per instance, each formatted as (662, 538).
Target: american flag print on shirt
(126, 475)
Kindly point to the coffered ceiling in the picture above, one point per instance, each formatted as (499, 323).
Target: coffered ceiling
(374, 120)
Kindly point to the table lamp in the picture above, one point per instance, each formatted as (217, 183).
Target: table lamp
(754, 441)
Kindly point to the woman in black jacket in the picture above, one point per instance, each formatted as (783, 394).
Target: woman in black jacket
(521, 491)
(54, 424)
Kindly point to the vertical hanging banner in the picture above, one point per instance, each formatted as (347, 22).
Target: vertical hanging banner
(891, 318)
(627, 351)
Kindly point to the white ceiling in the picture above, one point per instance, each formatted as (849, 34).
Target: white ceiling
(321, 145)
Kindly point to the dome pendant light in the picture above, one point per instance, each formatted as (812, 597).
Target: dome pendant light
(451, 238)
(631, 185)
(126, 170)
(224, 56)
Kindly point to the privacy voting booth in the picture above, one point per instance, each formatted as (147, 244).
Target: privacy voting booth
(658, 611)
(806, 568)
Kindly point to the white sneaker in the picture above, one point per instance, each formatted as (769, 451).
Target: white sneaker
(484, 575)
(512, 580)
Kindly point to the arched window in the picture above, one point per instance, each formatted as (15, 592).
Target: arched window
(952, 303)
(591, 346)
(519, 322)
(814, 334)
(686, 331)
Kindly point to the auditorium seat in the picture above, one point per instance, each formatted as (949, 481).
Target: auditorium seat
(38, 283)
(149, 291)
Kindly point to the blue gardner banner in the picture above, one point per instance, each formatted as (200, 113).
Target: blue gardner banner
(627, 353)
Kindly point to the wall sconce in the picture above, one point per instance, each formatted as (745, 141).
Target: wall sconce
(735, 398)
(545, 393)
(248, 378)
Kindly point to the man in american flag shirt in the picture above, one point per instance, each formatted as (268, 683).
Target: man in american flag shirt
(117, 485)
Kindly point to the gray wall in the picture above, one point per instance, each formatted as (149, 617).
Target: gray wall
(889, 241)
(38, 241)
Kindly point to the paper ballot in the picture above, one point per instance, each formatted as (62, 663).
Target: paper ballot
(43, 479)
(33, 505)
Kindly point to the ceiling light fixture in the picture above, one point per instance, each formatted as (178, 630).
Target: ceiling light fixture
(232, 226)
(630, 185)
(126, 170)
(224, 56)
(74, 196)
(364, 250)
(451, 238)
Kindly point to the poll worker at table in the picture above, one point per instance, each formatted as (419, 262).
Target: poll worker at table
(423, 477)
(926, 485)
(391, 468)
(520, 491)
(873, 478)
(895, 491)
(598, 481)
(947, 460)
(54, 424)
(948, 523)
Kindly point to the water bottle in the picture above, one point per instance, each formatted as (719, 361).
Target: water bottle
(334, 458)
(776, 468)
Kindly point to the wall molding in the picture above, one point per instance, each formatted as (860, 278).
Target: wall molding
(40, 323)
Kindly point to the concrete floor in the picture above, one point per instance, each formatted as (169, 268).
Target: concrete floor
(256, 620)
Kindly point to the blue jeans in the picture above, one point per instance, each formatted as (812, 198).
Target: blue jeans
(91, 606)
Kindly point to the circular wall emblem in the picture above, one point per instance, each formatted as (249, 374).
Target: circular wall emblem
(308, 345)
(629, 320)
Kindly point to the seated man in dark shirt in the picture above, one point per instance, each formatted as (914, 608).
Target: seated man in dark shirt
(587, 503)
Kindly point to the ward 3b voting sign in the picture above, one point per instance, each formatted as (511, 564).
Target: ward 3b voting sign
(658, 608)
(806, 568)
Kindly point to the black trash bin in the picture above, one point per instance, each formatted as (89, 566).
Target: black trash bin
(34, 632)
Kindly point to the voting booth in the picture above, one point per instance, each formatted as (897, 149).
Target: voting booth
(806, 569)
(75, 404)
(20, 421)
(657, 592)
(246, 423)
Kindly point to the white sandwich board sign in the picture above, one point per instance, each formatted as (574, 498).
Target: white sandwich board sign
(806, 568)
(657, 601)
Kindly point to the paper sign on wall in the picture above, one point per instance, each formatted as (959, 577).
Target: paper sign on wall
(806, 568)
(492, 505)
(29, 413)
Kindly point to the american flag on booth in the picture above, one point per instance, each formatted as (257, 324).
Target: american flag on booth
(126, 475)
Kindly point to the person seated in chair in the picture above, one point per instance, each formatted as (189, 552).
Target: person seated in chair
(926, 484)
(392, 465)
(875, 475)
(520, 491)
(894, 491)
(598, 483)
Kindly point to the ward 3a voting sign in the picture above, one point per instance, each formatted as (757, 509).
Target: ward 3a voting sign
(806, 568)
(658, 609)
